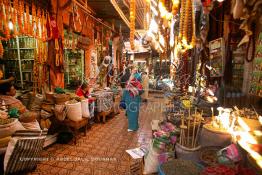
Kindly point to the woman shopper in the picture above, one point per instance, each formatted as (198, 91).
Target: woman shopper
(131, 98)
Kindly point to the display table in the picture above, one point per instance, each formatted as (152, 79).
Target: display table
(104, 104)
(75, 126)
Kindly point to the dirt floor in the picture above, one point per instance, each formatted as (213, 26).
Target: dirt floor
(102, 150)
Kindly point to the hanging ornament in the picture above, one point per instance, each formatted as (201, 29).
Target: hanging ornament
(186, 26)
(175, 7)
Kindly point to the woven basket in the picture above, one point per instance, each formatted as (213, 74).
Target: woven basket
(49, 97)
(47, 107)
(61, 98)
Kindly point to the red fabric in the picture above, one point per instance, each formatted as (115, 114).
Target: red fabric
(134, 86)
(81, 93)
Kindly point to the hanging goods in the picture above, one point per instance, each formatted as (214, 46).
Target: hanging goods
(83, 41)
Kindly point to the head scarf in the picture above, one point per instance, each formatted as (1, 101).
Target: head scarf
(134, 86)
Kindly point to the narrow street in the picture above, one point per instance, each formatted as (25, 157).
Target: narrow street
(102, 150)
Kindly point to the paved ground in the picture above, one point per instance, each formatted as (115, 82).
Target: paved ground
(102, 150)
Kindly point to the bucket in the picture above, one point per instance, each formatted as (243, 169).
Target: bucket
(209, 137)
(187, 153)
(25, 99)
(35, 102)
(85, 108)
(9, 126)
(74, 111)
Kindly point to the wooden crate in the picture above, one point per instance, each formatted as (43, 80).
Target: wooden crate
(136, 166)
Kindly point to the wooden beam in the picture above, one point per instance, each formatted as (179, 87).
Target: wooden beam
(88, 12)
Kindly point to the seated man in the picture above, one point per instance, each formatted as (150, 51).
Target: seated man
(7, 93)
(83, 92)
(2, 81)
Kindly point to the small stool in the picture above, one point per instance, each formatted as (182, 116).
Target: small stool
(76, 125)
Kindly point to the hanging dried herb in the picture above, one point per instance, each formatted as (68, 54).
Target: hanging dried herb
(37, 19)
(14, 16)
(20, 17)
(27, 20)
(6, 28)
(33, 26)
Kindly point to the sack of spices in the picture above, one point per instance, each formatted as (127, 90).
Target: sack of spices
(60, 112)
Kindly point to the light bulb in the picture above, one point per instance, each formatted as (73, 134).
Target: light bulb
(220, 0)
(10, 25)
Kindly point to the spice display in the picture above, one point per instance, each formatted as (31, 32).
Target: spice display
(208, 155)
(178, 166)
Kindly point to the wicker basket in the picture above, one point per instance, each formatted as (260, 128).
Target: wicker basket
(61, 98)
(49, 97)
(47, 107)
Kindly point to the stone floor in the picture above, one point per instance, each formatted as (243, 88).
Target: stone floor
(102, 150)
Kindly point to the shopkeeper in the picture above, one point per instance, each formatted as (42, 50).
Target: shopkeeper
(83, 92)
(26, 117)
(2, 81)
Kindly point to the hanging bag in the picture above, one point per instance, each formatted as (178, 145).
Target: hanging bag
(83, 41)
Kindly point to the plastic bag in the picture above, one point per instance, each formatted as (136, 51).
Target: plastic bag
(151, 160)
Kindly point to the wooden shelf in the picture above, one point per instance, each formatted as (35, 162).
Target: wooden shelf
(26, 48)
(27, 59)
